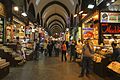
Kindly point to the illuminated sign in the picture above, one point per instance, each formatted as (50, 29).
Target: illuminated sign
(110, 17)
(110, 28)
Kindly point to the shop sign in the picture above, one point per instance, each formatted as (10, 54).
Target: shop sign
(87, 28)
(110, 28)
(2, 9)
(110, 17)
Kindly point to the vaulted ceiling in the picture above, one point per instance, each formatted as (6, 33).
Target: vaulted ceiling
(56, 15)
(53, 15)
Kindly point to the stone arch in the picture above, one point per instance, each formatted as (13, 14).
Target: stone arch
(31, 10)
(54, 15)
(56, 21)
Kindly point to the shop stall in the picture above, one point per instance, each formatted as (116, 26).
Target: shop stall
(114, 70)
(2, 22)
(14, 30)
(90, 28)
(110, 27)
(110, 32)
(30, 37)
(103, 28)
(4, 65)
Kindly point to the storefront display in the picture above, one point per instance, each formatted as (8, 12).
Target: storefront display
(2, 22)
(98, 58)
(1, 29)
(4, 68)
(14, 30)
(28, 32)
(115, 66)
(110, 27)
(114, 70)
(90, 28)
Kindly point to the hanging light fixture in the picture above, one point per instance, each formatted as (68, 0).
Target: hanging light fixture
(80, 12)
(75, 15)
(24, 14)
(107, 4)
(90, 6)
(16, 8)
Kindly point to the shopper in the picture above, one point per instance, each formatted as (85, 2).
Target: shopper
(72, 51)
(41, 47)
(87, 52)
(64, 49)
(79, 47)
(116, 52)
(36, 48)
(57, 47)
(18, 46)
(50, 47)
(45, 48)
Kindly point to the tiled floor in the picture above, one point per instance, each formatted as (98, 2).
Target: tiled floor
(48, 68)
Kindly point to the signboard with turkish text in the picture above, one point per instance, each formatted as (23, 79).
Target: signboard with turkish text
(111, 28)
(110, 17)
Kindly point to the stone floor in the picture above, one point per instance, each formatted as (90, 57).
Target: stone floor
(48, 68)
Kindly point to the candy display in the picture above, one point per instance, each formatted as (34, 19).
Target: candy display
(115, 66)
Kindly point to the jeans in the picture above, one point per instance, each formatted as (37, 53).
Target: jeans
(85, 65)
(64, 55)
(72, 56)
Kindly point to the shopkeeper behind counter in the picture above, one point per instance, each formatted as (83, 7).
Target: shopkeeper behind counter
(116, 51)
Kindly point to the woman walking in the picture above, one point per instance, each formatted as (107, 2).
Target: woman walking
(64, 48)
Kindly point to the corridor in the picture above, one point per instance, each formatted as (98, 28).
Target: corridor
(48, 68)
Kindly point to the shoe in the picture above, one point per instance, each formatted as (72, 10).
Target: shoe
(81, 75)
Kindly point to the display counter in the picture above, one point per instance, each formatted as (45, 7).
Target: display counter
(103, 64)
(4, 68)
(99, 66)
(101, 59)
(29, 54)
(10, 55)
(114, 70)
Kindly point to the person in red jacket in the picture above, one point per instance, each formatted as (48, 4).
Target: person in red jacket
(64, 49)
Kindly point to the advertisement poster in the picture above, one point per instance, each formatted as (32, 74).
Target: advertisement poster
(88, 33)
(110, 17)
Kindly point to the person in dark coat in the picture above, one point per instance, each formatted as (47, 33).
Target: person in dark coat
(50, 47)
(87, 53)
(72, 51)
(115, 51)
